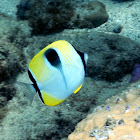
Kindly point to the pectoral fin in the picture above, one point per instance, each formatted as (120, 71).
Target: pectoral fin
(28, 90)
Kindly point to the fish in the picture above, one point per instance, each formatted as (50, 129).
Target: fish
(56, 72)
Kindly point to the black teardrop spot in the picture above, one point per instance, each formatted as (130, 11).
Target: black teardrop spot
(52, 57)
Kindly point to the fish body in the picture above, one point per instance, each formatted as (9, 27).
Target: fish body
(57, 71)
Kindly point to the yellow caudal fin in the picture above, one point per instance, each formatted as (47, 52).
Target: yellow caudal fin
(77, 89)
(50, 100)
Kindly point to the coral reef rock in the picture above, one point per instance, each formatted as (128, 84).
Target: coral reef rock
(118, 119)
(45, 17)
(22, 7)
(56, 15)
(12, 59)
(90, 14)
(8, 7)
(122, 0)
(97, 14)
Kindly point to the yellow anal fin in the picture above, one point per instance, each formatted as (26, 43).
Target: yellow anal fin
(50, 100)
(77, 89)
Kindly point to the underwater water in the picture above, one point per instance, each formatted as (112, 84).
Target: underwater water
(107, 105)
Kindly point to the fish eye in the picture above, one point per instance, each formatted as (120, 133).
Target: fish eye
(52, 57)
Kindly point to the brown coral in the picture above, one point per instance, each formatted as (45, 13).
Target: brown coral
(118, 119)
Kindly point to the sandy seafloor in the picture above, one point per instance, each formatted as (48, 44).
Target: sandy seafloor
(40, 122)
